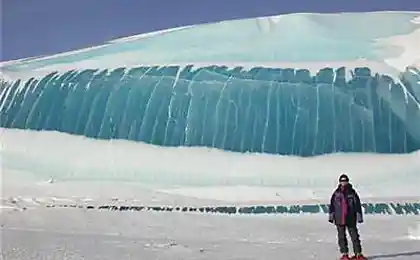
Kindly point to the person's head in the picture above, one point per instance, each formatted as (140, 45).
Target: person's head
(344, 180)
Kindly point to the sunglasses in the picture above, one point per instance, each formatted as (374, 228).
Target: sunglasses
(344, 180)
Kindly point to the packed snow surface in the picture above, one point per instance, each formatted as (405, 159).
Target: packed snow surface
(59, 234)
(66, 157)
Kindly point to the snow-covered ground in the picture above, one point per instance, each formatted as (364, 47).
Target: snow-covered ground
(41, 233)
(30, 230)
(47, 168)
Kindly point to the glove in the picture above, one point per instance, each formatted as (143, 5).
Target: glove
(331, 218)
(359, 218)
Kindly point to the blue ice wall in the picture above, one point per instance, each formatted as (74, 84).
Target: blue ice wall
(270, 110)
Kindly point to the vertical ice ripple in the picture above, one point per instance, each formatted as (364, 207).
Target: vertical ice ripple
(271, 110)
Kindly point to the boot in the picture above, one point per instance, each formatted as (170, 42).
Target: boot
(345, 257)
(359, 257)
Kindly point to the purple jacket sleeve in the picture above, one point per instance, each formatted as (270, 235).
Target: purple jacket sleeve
(359, 213)
(358, 203)
(331, 207)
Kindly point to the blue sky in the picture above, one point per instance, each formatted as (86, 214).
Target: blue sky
(31, 28)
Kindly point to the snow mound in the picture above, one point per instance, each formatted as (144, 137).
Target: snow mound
(414, 233)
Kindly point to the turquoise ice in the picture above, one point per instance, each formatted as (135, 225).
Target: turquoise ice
(287, 110)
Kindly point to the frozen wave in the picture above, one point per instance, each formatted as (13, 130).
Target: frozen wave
(265, 110)
(298, 84)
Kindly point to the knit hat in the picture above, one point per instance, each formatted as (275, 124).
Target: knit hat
(343, 177)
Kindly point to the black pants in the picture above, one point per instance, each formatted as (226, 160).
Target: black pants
(355, 239)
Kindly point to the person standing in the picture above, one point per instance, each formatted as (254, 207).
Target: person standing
(345, 211)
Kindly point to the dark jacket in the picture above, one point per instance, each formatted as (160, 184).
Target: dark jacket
(345, 206)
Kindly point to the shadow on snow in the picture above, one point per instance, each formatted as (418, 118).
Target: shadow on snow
(414, 253)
